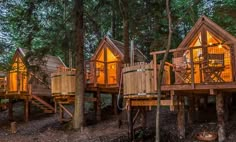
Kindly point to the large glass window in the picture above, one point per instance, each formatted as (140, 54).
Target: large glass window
(106, 67)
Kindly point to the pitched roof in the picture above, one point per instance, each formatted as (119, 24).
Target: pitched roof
(118, 49)
(51, 62)
(204, 22)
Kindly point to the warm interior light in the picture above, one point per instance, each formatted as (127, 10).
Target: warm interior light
(210, 43)
(219, 46)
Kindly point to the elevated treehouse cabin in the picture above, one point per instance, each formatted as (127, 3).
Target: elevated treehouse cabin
(203, 65)
(102, 73)
(107, 62)
(23, 83)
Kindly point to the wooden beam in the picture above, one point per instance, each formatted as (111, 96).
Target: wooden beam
(170, 51)
(219, 86)
(187, 48)
(150, 102)
(66, 110)
(220, 117)
(98, 107)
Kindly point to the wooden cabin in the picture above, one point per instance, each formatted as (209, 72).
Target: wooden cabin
(106, 63)
(22, 83)
(203, 65)
(209, 51)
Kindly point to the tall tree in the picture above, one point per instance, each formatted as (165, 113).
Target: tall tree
(78, 119)
(160, 73)
(124, 8)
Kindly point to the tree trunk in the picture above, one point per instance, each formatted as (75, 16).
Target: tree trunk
(220, 116)
(160, 73)
(124, 7)
(78, 118)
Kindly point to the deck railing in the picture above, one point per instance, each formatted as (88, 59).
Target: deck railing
(200, 64)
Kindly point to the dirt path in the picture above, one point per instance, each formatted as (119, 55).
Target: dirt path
(47, 128)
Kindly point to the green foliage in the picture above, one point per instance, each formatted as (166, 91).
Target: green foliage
(48, 25)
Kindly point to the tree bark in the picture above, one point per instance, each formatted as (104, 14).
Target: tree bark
(160, 73)
(124, 7)
(78, 118)
(220, 116)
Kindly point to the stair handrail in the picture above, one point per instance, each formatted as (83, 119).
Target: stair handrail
(42, 101)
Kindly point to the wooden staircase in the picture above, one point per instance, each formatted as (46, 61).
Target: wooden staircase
(41, 104)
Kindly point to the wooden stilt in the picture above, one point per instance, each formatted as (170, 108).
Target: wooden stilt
(61, 112)
(144, 118)
(98, 108)
(114, 104)
(196, 105)
(130, 120)
(55, 106)
(226, 106)
(191, 109)
(220, 117)
(181, 118)
(10, 110)
(26, 110)
(205, 102)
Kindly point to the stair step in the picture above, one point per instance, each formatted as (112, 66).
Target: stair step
(41, 106)
(48, 111)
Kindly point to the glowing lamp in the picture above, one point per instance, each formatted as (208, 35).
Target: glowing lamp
(220, 46)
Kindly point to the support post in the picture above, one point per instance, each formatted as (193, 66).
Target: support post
(196, 106)
(190, 109)
(205, 102)
(181, 118)
(26, 111)
(130, 120)
(114, 104)
(10, 110)
(227, 106)
(144, 117)
(98, 107)
(55, 106)
(220, 117)
(61, 112)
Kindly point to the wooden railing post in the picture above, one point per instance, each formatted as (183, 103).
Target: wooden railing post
(192, 68)
(155, 71)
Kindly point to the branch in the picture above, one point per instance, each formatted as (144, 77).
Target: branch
(160, 73)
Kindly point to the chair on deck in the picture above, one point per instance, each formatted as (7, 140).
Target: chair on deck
(182, 69)
(212, 68)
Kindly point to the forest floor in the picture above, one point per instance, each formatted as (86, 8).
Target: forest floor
(47, 128)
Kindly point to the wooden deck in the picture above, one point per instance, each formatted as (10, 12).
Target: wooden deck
(201, 88)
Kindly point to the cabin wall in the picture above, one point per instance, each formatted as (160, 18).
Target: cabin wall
(39, 88)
